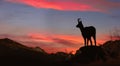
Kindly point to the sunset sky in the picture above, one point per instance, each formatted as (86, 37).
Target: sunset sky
(51, 24)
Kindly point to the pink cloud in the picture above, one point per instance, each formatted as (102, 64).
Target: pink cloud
(72, 5)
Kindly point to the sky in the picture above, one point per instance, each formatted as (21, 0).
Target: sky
(51, 24)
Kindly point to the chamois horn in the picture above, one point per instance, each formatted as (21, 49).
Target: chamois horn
(79, 19)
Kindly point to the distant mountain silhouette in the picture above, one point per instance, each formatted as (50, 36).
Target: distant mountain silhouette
(12, 52)
(10, 48)
(39, 49)
(15, 54)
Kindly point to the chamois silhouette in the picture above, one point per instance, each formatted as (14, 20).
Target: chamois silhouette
(87, 32)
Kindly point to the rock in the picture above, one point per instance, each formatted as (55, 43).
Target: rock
(89, 54)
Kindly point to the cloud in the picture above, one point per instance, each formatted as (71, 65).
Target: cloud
(72, 5)
(65, 42)
(115, 16)
(60, 40)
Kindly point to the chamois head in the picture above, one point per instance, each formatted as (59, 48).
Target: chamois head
(79, 23)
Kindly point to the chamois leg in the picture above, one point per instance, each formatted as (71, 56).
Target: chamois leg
(91, 41)
(85, 41)
(94, 37)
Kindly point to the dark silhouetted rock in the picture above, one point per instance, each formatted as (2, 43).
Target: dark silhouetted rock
(89, 54)
(112, 48)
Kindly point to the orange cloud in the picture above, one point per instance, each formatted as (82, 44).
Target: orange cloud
(40, 37)
(60, 39)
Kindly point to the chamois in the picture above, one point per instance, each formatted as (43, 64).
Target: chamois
(87, 32)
